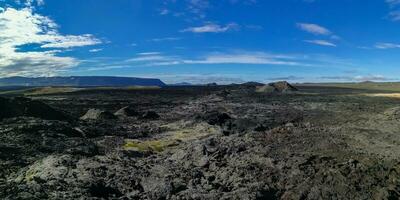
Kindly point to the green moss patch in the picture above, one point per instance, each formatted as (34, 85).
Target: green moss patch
(149, 145)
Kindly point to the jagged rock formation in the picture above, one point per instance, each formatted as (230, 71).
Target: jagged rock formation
(127, 111)
(96, 114)
(283, 86)
(277, 87)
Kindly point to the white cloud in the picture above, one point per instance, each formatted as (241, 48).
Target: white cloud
(314, 29)
(358, 78)
(69, 41)
(164, 11)
(387, 46)
(95, 50)
(165, 39)
(242, 58)
(196, 9)
(321, 42)
(371, 78)
(150, 57)
(201, 78)
(147, 58)
(24, 27)
(393, 2)
(108, 67)
(236, 57)
(212, 28)
(228, 58)
(256, 58)
(149, 53)
(395, 15)
(38, 2)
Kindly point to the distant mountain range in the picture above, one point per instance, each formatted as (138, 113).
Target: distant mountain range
(181, 84)
(80, 81)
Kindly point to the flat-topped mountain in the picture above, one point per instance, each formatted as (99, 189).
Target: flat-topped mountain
(81, 81)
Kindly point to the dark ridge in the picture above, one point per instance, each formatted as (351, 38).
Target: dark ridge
(21, 106)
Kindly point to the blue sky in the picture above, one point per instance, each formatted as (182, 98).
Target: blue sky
(203, 41)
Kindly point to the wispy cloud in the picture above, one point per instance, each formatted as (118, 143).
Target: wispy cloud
(224, 57)
(20, 27)
(355, 78)
(314, 29)
(165, 39)
(241, 57)
(195, 10)
(95, 50)
(30, 3)
(198, 7)
(69, 41)
(321, 42)
(148, 58)
(319, 30)
(203, 79)
(149, 53)
(371, 78)
(197, 78)
(164, 11)
(256, 58)
(152, 59)
(393, 2)
(212, 28)
(286, 78)
(387, 46)
(394, 14)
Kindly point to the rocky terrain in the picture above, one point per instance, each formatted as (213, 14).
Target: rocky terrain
(212, 142)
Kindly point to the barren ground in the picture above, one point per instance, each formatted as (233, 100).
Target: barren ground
(225, 142)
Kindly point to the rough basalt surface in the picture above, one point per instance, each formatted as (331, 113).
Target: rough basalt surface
(222, 142)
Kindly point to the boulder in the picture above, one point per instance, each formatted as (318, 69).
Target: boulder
(96, 114)
(216, 118)
(127, 111)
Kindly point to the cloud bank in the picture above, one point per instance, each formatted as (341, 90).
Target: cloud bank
(22, 27)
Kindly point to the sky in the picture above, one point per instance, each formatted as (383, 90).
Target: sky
(203, 41)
